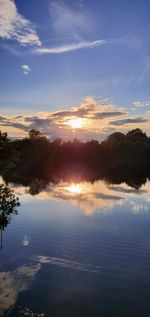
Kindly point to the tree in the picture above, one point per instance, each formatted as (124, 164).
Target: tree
(115, 138)
(35, 134)
(8, 205)
(136, 135)
(5, 151)
(3, 138)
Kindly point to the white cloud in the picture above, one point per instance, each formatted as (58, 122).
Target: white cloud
(70, 47)
(73, 23)
(141, 104)
(14, 26)
(26, 69)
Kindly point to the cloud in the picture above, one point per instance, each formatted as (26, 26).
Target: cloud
(70, 47)
(65, 20)
(13, 26)
(80, 4)
(86, 108)
(141, 104)
(70, 20)
(103, 115)
(26, 69)
(129, 120)
(100, 119)
(2, 119)
(12, 122)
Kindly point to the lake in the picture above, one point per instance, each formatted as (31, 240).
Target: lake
(77, 249)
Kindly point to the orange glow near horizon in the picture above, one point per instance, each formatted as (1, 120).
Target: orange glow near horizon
(76, 123)
(74, 188)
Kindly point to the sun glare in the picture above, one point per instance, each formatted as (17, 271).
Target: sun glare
(76, 123)
(74, 188)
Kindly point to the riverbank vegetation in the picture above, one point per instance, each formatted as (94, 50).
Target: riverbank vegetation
(121, 157)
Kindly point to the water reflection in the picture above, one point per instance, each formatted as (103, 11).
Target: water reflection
(14, 282)
(25, 241)
(75, 244)
(8, 205)
(22, 277)
(89, 197)
(99, 196)
(74, 188)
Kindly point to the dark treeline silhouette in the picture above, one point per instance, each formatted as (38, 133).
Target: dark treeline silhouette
(36, 161)
(8, 206)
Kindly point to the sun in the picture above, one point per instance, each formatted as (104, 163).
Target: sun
(76, 123)
(74, 188)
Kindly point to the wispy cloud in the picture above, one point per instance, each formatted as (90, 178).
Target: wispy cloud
(14, 26)
(68, 20)
(74, 23)
(108, 114)
(70, 47)
(71, 23)
(26, 69)
(129, 121)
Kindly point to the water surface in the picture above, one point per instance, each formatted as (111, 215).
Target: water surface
(77, 249)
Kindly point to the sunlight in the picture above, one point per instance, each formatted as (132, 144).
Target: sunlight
(76, 123)
(74, 188)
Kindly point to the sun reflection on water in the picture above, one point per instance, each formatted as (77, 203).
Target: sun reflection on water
(74, 188)
(90, 197)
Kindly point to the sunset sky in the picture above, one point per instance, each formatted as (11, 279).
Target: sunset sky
(74, 68)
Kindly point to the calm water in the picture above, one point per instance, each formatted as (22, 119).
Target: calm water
(77, 250)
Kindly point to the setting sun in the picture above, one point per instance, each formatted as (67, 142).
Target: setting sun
(74, 188)
(76, 123)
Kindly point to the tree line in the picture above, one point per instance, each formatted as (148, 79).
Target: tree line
(119, 157)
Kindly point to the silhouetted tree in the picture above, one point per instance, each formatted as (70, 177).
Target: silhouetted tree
(136, 135)
(34, 134)
(8, 205)
(115, 137)
(36, 160)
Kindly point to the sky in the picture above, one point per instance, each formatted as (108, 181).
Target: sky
(74, 68)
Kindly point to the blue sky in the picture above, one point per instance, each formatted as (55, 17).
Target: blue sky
(56, 53)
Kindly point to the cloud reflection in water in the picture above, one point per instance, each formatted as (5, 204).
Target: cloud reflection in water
(99, 196)
(85, 195)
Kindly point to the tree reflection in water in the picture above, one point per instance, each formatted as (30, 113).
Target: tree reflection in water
(8, 205)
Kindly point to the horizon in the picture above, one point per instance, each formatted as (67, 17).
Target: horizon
(73, 139)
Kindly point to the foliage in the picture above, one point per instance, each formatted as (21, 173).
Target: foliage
(35, 134)
(8, 204)
(8, 153)
(35, 161)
